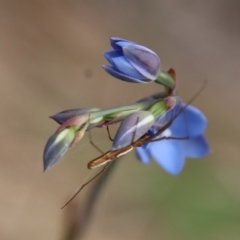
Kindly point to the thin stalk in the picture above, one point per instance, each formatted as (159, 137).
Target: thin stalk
(78, 227)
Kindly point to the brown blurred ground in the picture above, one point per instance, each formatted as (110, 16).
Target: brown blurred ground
(50, 60)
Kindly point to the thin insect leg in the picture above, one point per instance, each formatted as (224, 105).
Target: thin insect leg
(85, 184)
(109, 135)
(90, 137)
(168, 138)
(92, 143)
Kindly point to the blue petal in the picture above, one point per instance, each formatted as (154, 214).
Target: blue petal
(191, 122)
(146, 145)
(115, 40)
(197, 147)
(169, 155)
(143, 60)
(115, 73)
(126, 68)
(112, 54)
(142, 155)
(125, 44)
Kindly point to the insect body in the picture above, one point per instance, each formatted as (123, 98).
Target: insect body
(112, 155)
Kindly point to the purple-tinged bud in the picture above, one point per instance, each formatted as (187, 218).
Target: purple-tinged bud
(77, 121)
(65, 137)
(63, 116)
(132, 128)
(57, 145)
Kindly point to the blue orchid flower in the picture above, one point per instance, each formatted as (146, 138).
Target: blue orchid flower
(188, 140)
(131, 62)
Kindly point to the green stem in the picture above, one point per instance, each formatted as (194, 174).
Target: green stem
(164, 78)
(116, 114)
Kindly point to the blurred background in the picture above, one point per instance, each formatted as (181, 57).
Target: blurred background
(51, 54)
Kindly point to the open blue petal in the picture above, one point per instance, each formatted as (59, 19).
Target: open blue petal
(142, 155)
(197, 147)
(143, 59)
(169, 155)
(188, 122)
(191, 122)
(115, 73)
(126, 68)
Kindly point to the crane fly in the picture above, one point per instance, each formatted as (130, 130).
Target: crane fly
(108, 157)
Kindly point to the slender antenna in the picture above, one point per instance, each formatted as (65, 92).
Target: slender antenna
(92, 143)
(109, 135)
(85, 184)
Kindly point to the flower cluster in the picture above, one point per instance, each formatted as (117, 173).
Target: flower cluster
(160, 126)
(184, 138)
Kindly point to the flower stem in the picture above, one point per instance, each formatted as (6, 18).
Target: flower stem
(79, 226)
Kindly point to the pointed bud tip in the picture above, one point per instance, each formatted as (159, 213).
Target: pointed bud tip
(104, 66)
(170, 102)
(45, 167)
(56, 146)
(52, 117)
